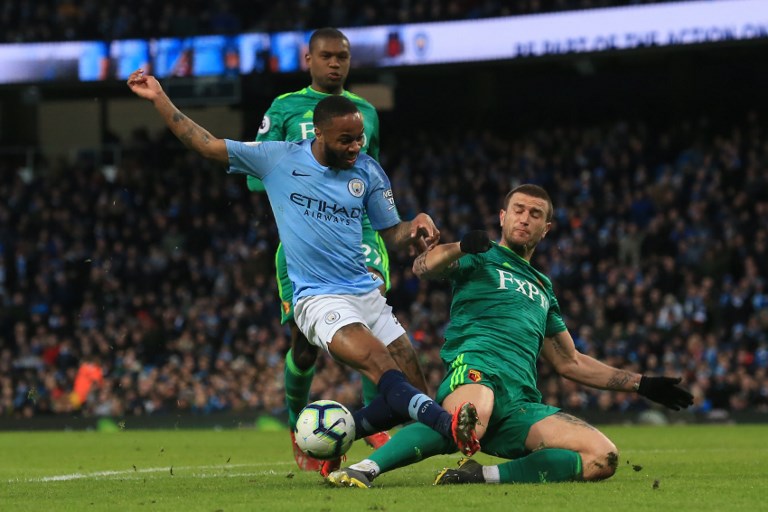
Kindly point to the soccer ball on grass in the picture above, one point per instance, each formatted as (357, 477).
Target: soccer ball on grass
(325, 430)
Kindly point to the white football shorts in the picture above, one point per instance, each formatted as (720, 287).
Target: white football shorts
(320, 316)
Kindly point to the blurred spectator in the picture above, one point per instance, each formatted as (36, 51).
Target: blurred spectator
(165, 276)
(62, 20)
(89, 377)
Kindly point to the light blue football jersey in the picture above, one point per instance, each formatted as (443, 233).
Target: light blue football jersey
(319, 213)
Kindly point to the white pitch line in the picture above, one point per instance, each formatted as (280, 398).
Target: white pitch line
(128, 472)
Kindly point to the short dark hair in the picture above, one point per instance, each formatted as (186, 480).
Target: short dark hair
(326, 33)
(530, 189)
(330, 107)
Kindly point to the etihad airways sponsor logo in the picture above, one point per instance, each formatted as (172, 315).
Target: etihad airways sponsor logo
(323, 210)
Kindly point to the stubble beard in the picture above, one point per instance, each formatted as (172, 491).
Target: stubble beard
(519, 249)
(333, 160)
(524, 250)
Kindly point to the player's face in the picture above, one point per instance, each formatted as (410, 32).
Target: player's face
(328, 64)
(524, 223)
(342, 140)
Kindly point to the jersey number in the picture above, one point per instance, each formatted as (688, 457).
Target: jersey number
(372, 256)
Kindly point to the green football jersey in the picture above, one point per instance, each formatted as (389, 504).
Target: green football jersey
(289, 118)
(502, 310)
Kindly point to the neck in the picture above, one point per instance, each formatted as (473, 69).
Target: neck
(318, 153)
(337, 90)
(523, 251)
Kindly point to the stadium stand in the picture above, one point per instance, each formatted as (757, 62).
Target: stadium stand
(164, 279)
(150, 292)
(63, 20)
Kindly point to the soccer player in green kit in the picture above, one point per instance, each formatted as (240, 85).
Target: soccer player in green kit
(289, 118)
(504, 315)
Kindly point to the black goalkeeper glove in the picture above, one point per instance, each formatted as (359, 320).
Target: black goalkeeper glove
(475, 242)
(665, 390)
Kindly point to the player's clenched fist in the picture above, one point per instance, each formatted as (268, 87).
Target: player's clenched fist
(475, 242)
(144, 86)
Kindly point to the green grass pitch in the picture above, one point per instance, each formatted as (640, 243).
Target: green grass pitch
(680, 468)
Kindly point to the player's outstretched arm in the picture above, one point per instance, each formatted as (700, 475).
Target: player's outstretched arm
(193, 136)
(420, 234)
(561, 352)
(437, 262)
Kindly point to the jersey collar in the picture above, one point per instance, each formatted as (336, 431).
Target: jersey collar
(324, 94)
(512, 254)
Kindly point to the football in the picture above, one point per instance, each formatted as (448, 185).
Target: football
(325, 430)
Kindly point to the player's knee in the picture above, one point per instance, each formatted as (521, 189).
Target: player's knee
(304, 354)
(601, 462)
(304, 360)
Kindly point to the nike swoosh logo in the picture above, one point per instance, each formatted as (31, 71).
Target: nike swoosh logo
(297, 173)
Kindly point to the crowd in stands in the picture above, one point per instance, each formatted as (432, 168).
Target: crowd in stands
(62, 20)
(150, 291)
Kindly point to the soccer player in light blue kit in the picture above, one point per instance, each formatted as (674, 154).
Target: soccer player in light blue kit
(318, 190)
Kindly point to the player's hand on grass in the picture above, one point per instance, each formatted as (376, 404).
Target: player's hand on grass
(475, 242)
(665, 390)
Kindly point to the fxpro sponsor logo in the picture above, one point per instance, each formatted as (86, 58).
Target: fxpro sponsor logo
(323, 210)
(508, 281)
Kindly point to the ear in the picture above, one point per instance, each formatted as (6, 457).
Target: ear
(502, 214)
(547, 227)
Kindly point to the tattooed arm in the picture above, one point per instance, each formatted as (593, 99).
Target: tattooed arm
(443, 259)
(437, 263)
(420, 234)
(571, 364)
(193, 136)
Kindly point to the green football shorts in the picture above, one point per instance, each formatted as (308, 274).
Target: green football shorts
(513, 413)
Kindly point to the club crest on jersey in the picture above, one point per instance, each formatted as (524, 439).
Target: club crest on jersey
(265, 125)
(356, 187)
(475, 375)
(332, 317)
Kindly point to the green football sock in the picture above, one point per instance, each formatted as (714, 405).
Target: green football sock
(541, 466)
(411, 444)
(297, 384)
(370, 391)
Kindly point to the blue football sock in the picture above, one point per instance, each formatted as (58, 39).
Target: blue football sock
(377, 416)
(407, 401)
